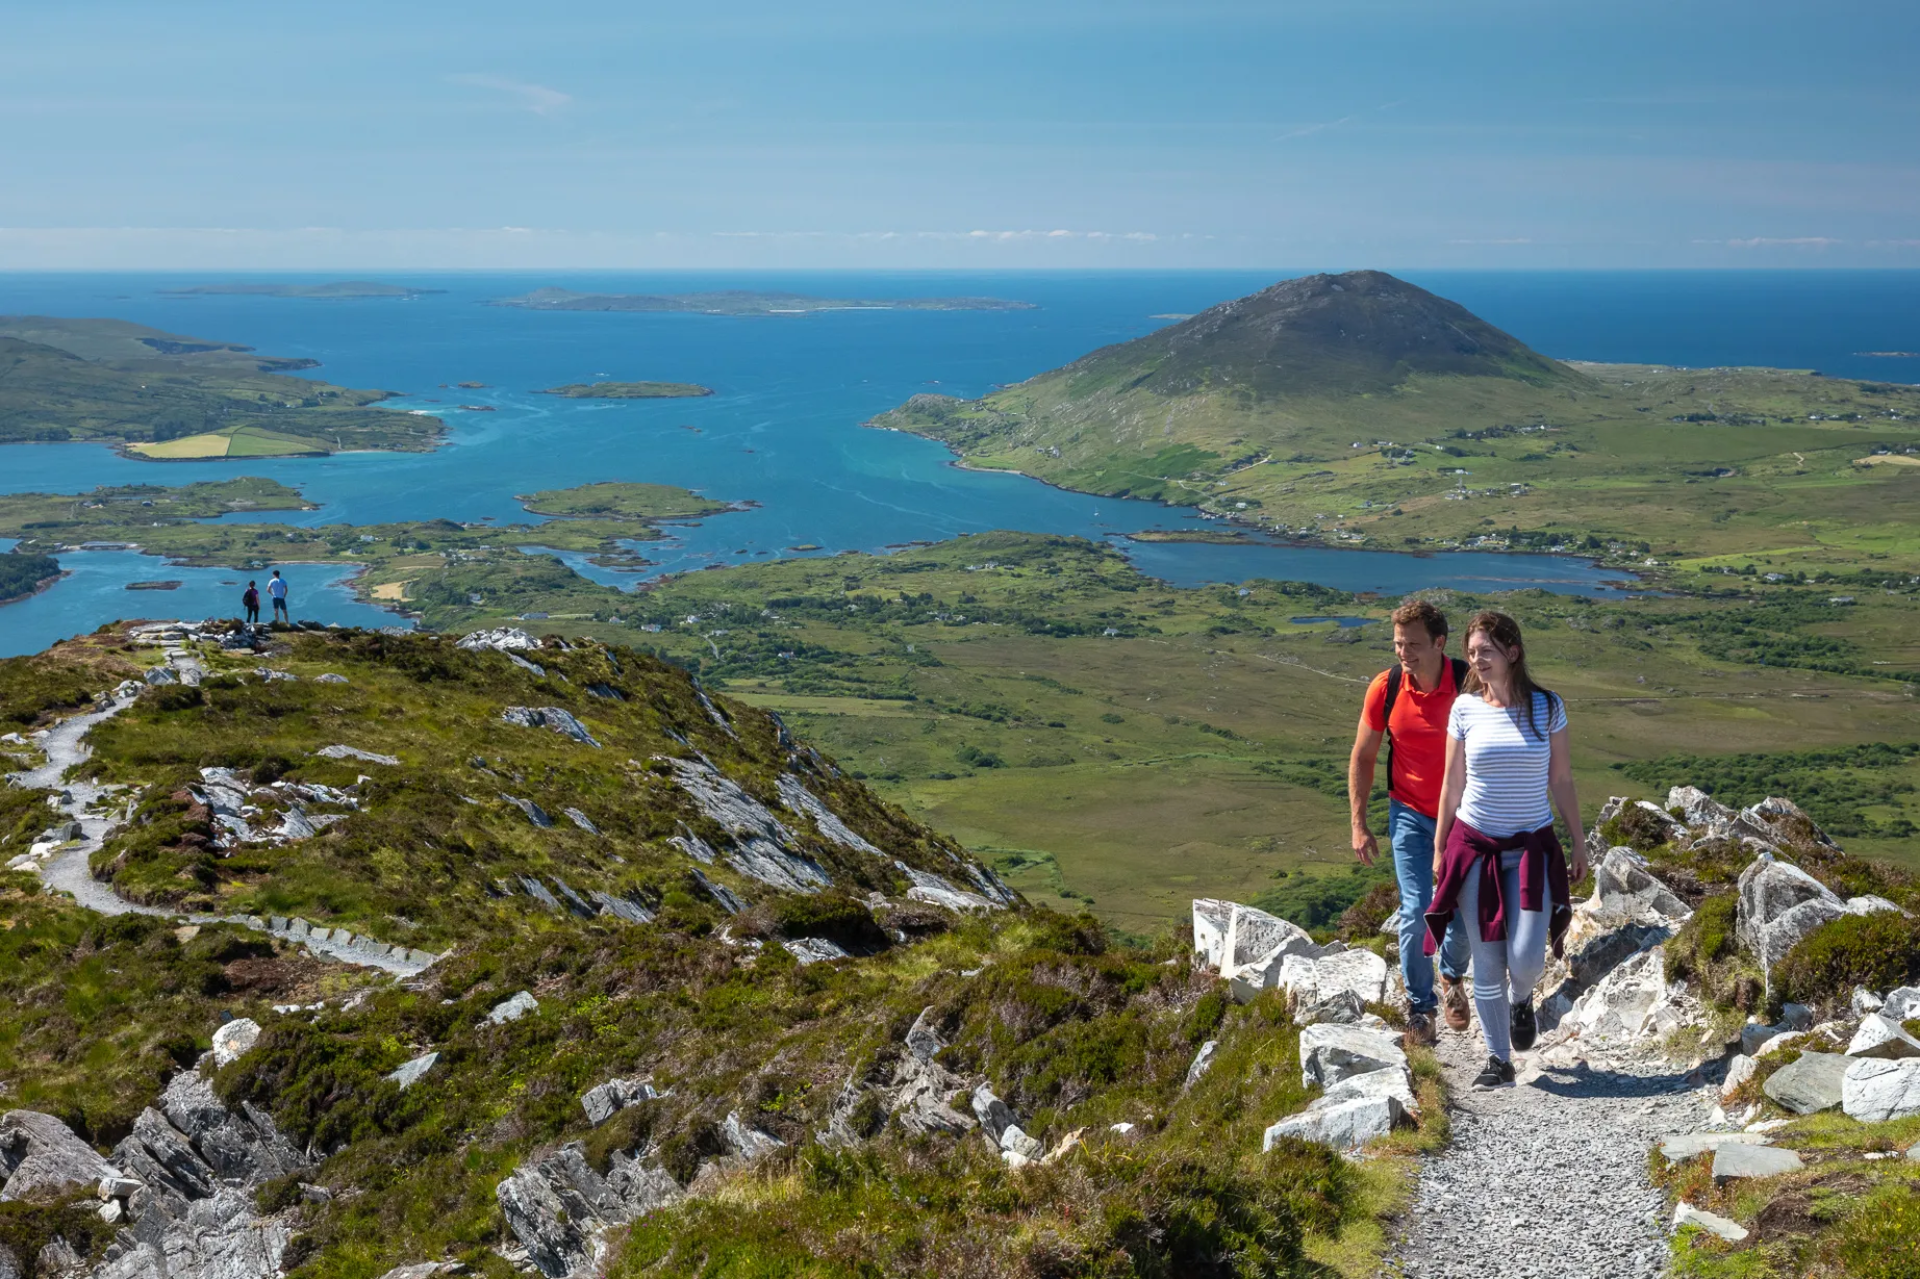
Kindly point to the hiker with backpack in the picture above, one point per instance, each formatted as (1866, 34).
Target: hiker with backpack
(250, 600)
(1408, 705)
(1497, 863)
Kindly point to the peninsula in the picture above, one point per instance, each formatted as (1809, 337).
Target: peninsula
(164, 396)
(742, 302)
(330, 291)
(629, 391)
(1359, 409)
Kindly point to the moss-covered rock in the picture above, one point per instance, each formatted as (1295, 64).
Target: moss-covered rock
(1879, 951)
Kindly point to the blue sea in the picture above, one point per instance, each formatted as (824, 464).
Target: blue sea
(783, 429)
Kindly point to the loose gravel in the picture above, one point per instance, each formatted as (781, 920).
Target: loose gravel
(1547, 1179)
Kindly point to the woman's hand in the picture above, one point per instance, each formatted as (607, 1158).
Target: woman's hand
(1577, 864)
(1439, 857)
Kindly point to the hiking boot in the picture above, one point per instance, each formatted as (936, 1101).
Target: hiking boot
(1453, 1002)
(1523, 1029)
(1498, 1074)
(1421, 1030)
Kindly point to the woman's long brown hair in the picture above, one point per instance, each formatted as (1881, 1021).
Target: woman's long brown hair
(1505, 632)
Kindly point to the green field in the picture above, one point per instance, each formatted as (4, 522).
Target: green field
(232, 441)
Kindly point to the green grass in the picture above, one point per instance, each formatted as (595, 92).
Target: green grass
(618, 500)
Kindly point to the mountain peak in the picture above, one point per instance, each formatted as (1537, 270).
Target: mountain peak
(1355, 331)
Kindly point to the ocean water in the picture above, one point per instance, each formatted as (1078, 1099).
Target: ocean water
(783, 429)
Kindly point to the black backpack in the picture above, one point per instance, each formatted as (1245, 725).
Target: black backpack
(1394, 676)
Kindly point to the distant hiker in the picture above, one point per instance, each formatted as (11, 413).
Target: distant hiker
(1498, 863)
(1408, 705)
(251, 602)
(277, 588)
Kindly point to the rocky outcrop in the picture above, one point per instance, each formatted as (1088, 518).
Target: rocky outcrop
(40, 1156)
(1332, 1053)
(193, 1164)
(560, 1209)
(1811, 1083)
(555, 718)
(506, 639)
(914, 1096)
(1779, 905)
(763, 847)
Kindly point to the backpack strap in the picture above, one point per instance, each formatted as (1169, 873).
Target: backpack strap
(1394, 676)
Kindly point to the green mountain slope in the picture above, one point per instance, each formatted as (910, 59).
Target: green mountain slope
(1327, 407)
(131, 385)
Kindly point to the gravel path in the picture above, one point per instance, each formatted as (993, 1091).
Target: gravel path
(1547, 1179)
(94, 807)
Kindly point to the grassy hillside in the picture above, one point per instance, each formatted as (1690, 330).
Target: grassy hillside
(1360, 409)
(126, 384)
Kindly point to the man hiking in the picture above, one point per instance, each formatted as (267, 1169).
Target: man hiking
(251, 602)
(277, 588)
(1408, 705)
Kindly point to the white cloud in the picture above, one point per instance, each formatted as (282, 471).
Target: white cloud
(536, 98)
(1780, 242)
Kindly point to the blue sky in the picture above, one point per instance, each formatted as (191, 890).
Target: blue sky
(1044, 133)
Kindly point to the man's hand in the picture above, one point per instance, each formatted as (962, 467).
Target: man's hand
(1365, 846)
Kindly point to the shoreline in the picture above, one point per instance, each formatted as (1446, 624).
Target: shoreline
(1251, 535)
(45, 584)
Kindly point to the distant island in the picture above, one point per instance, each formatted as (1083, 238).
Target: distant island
(629, 390)
(622, 500)
(333, 290)
(742, 302)
(163, 396)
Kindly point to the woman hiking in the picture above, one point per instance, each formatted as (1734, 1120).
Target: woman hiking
(1496, 859)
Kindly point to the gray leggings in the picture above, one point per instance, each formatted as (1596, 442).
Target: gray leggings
(1504, 972)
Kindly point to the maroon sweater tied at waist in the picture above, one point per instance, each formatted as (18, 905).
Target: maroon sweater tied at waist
(1543, 866)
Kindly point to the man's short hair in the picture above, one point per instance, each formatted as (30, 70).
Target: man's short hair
(1421, 613)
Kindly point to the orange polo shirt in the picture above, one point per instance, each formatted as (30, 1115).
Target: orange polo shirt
(1419, 733)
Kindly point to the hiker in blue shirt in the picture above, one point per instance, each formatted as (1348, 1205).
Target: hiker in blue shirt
(277, 588)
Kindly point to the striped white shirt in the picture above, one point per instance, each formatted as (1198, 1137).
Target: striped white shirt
(1506, 792)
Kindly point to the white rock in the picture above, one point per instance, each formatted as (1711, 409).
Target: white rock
(505, 639)
(1202, 1061)
(513, 1009)
(1739, 1070)
(411, 1072)
(1015, 1140)
(1865, 1001)
(1210, 919)
(1876, 1090)
(233, 1040)
(1346, 1126)
(1360, 971)
(1780, 904)
(1123, 1128)
(1391, 1082)
(1871, 906)
(354, 752)
(1687, 1145)
(1737, 1162)
(1903, 1004)
(1880, 1036)
(1330, 1052)
(111, 1212)
(1685, 1214)
(1768, 1125)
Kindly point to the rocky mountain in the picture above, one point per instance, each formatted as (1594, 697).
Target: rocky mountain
(346, 954)
(1276, 370)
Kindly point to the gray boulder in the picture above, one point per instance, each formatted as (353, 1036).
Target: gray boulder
(233, 1040)
(1346, 1125)
(603, 1101)
(1779, 905)
(220, 1237)
(1875, 1090)
(513, 1009)
(992, 1113)
(549, 717)
(1731, 1162)
(1202, 1061)
(1687, 1145)
(1625, 888)
(1330, 1053)
(1342, 1007)
(745, 1140)
(1880, 1036)
(1739, 1070)
(39, 1155)
(1810, 1084)
(1697, 808)
(1902, 1003)
(413, 1071)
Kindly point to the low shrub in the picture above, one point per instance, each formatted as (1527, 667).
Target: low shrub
(1705, 954)
(1878, 951)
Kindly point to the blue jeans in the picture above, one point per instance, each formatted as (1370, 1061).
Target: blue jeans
(1411, 834)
